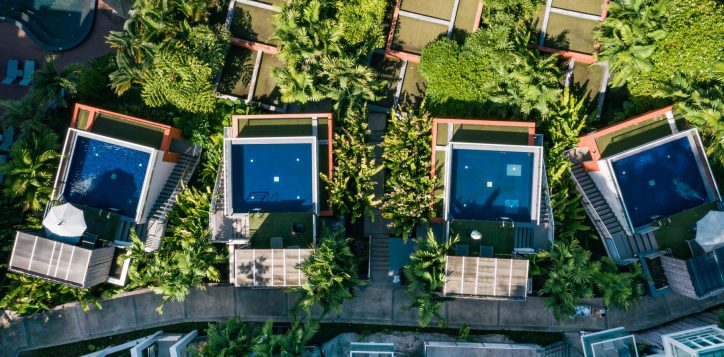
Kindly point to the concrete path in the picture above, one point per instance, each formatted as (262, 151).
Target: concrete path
(373, 305)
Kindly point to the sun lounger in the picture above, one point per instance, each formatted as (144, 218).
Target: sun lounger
(28, 71)
(12, 73)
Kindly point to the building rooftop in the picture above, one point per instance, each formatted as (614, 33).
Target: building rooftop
(473, 349)
(486, 277)
(615, 342)
(699, 342)
(269, 267)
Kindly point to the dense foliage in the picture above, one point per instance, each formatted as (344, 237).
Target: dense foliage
(170, 51)
(331, 274)
(409, 188)
(425, 275)
(186, 259)
(493, 72)
(323, 47)
(237, 338)
(232, 338)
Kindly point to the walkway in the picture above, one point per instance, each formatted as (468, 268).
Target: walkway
(373, 305)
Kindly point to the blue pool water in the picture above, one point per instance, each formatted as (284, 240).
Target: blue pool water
(106, 176)
(272, 177)
(487, 185)
(660, 181)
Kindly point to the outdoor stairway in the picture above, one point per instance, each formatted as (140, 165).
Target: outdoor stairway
(180, 176)
(379, 259)
(620, 245)
(524, 236)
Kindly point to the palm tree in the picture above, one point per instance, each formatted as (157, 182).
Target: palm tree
(629, 37)
(292, 343)
(29, 176)
(232, 338)
(331, 274)
(571, 275)
(24, 115)
(52, 86)
(426, 276)
(620, 288)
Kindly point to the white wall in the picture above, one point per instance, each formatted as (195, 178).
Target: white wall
(605, 184)
(159, 175)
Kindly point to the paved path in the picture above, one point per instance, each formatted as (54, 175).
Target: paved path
(373, 305)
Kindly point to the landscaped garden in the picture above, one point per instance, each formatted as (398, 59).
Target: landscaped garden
(324, 53)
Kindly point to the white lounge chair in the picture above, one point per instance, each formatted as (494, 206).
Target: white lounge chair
(12, 72)
(28, 71)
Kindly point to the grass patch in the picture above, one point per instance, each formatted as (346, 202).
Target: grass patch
(267, 225)
(413, 34)
(632, 136)
(501, 239)
(486, 134)
(123, 130)
(675, 234)
(570, 33)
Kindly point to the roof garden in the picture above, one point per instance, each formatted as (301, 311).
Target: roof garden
(416, 23)
(252, 56)
(567, 27)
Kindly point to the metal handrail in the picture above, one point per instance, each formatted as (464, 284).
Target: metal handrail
(549, 208)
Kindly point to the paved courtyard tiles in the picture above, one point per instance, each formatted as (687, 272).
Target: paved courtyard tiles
(479, 312)
(202, 305)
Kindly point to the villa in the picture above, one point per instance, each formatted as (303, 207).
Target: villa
(117, 174)
(645, 183)
(616, 342)
(672, 341)
(494, 197)
(269, 195)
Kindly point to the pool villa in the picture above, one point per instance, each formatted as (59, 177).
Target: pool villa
(269, 195)
(493, 195)
(117, 174)
(645, 183)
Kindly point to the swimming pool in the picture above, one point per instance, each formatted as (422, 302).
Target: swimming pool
(272, 177)
(660, 181)
(106, 176)
(489, 184)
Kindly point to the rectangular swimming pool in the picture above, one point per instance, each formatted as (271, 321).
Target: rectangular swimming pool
(274, 177)
(660, 181)
(486, 185)
(106, 176)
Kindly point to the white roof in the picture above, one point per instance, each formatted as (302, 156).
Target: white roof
(269, 267)
(487, 277)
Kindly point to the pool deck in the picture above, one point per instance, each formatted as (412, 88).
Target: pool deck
(18, 45)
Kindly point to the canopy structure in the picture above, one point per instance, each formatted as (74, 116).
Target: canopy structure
(710, 231)
(487, 277)
(65, 221)
(269, 267)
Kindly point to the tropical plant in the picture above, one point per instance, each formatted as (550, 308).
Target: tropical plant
(331, 275)
(53, 86)
(229, 339)
(493, 72)
(29, 172)
(28, 296)
(426, 276)
(620, 288)
(289, 344)
(185, 260)
(409, 186)
(351, 188)
(24, 115)
(571, 275)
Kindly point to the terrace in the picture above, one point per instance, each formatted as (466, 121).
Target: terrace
(615, 342)
(493, 193)
(567, 26)
(252, 57)
(269, 193)
(645, 182)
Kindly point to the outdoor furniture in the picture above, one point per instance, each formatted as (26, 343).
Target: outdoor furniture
(475, 235)
(486, 251)
(28, 71)
(89, 240)
(12, 72)
(276, 243)
(462, 250)
(710, 231)
(298, 229)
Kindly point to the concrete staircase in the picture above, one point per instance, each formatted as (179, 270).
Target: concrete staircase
(379, 260)
(603, 210)
(180, 176)
(524, 236)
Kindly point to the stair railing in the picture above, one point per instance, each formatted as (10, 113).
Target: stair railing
(597, 221)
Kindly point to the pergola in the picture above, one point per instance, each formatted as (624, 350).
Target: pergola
(487, 277)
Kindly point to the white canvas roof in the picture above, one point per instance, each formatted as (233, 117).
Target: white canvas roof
(49, 259)
(487, 277)
(269, 267)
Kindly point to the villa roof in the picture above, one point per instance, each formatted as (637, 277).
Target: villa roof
(707, 272)
(487, 277)
(51, 260)
(269, 267)
(612, 342)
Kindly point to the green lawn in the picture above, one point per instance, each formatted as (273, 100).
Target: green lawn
(441, 9)
(632, 136)
(570, 33)
(486, 134)
(127, 131)
(413, 34)
(593, 7)
(675, 234)
(267, 225)
(501, 239)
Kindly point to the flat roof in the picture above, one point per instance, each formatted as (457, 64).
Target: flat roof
(612, 342)
(487, 277)
(489, 182)
(50, 260)
(269, 267)
(473, 349)
(272, 174)
(106, 173)
(707, 272)
(661, 178)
